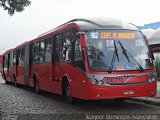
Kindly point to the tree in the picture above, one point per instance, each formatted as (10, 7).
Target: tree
(13, 6)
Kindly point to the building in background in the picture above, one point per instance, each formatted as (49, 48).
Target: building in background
(152, 32)
(148, 32)
(149, 29)
(154, 42)
(153, 26)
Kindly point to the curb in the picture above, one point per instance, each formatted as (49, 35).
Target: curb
(147, 100)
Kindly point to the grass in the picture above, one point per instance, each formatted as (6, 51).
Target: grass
(157, 68)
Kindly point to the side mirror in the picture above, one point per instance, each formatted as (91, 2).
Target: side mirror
(82, 37)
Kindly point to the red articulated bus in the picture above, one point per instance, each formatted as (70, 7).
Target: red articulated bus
(89, 59)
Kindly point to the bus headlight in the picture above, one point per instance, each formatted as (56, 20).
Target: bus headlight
(95, 81)
(98, 82)
(151, 80)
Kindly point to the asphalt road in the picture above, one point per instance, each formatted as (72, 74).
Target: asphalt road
(18, 103)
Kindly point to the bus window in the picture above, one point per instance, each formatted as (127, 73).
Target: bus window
(66, 47)
(8, 60)
(42, 52)
(14, 58)
(5, 61)
(77, 50)
(56, 48)
(48, 51)
(36, 53)
(77, 54)
(21, 57)
(31, 52)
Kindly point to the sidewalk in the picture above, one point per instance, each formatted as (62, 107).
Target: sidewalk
(150, 100)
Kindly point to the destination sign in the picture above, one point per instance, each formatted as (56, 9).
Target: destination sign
(115, 35)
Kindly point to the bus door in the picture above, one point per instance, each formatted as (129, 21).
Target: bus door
(7, 73)
(20, 66)
(5, 68)
(56, 63)
(47, 69)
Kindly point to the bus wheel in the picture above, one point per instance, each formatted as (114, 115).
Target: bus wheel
(67, 93)
(36, 86)
(6, 82)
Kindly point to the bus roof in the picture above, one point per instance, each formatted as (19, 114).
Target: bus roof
(103, 23)
(8, 51)
(96, 23)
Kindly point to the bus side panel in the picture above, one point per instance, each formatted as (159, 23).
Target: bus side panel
(31, 73)
(20, 75)
(43, 73)
(78, 80)
(56, 84)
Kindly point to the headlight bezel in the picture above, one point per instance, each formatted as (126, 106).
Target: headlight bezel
(98, 82)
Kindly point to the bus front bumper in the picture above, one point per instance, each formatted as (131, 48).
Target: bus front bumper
(121, 91)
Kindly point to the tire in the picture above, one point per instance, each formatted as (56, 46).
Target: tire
(36, 86)
(67, 94)
(6, 82)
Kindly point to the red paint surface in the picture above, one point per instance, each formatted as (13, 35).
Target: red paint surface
(0, 59)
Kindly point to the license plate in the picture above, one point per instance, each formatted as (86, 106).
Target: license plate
(129, 92)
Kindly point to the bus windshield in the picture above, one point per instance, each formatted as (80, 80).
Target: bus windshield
(117, 50)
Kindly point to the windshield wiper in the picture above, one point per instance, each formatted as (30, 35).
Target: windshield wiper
(113, 58)
(126, 53)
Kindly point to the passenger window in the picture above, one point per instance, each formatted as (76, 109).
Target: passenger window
(5, 61)
(78, 51)
(42, 52)
(14, 58)
(31, 54)
(8, 60)
(78, 59)
(36, 53)
(56, 51)
(48, 51)
(67, 46)
(21, 57)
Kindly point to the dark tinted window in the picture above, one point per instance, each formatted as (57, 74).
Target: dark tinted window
(31, 54)
(14, 58)
(56, 48)
(48, 51)
(77, 50)
(36, 53)
(5, 61)
(67, 46)
(21, 57)
(42, 52)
